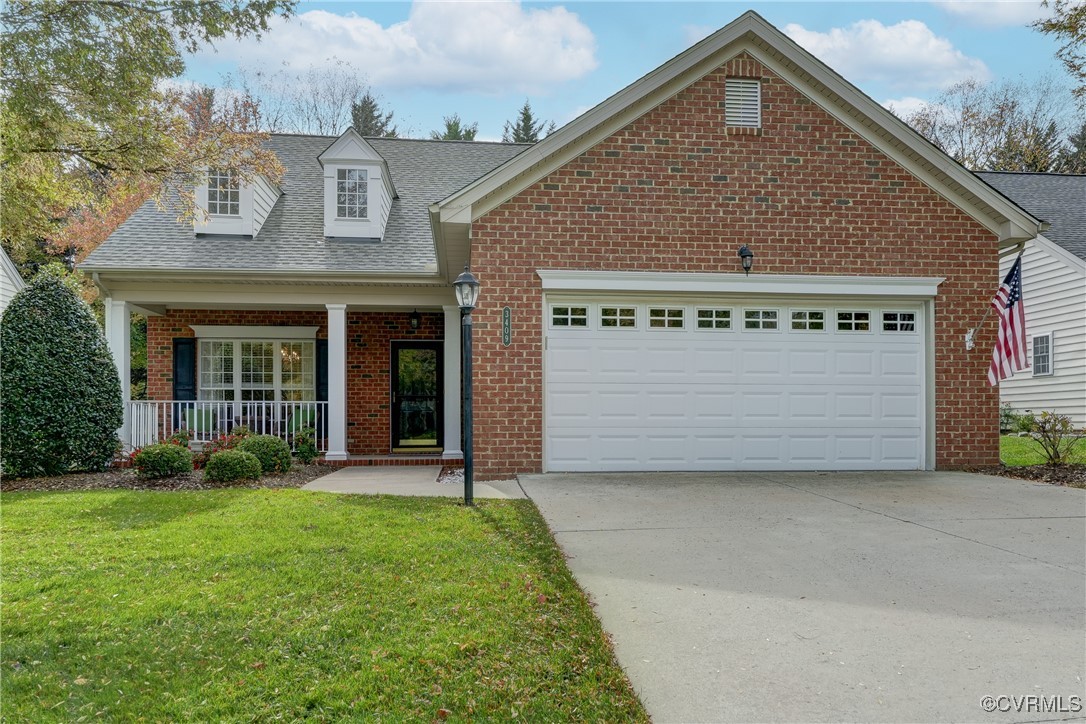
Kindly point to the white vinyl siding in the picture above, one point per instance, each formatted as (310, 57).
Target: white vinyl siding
(10, 281)
(743, 102)
(1053, 287)
(684, 399)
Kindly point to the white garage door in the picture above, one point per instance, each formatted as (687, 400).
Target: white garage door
(656, 385)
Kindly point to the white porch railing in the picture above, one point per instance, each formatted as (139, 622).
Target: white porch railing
(152, 421)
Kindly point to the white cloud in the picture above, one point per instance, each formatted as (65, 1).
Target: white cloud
(904, 107)
(907, 55)
(995, 13)
(496, 46)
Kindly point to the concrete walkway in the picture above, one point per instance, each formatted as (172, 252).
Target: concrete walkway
(825, 597)
(410, 480)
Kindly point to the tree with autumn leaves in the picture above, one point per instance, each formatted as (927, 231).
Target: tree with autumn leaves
(91, 126)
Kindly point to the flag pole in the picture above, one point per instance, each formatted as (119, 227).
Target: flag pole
(970, 334)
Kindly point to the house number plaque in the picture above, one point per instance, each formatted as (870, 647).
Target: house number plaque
(507, 326)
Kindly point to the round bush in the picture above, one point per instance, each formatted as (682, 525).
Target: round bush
(163, 460)
(272, 452)
(230, 465)
(62, 394)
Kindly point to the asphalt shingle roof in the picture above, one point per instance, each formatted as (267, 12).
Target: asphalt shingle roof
(292, 237)
(1059, 199)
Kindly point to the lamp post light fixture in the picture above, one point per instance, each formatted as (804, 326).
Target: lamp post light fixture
(69, 258)
(746, 256)
(466, 287)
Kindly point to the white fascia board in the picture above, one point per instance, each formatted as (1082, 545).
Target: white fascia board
(238, 331)
(285, 276)
(705, 283)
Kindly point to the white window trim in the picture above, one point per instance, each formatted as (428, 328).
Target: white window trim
(588, 309)
(1051, 354)
(361, 170)
(665, 319)
(235, 185)
(617, 308)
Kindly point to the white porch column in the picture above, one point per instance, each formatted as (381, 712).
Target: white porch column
(452, 382)
(119, 341)
(337, 382)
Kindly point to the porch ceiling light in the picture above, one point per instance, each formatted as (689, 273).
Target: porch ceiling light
(746, 257)
(466, 287)
(415, 318)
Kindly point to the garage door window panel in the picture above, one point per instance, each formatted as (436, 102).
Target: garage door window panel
(763, 319)
(853, 321)
(714, 319)
(569, 316)
(808, 320)
(898, 321)
(615, 317)
(666, 317)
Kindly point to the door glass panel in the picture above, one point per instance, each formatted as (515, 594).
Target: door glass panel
(416, 422)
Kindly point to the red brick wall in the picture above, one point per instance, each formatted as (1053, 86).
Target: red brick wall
(673, 191)
(369, 337)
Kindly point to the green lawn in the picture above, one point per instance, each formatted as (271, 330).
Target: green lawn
(1016, 451)
(283, 604)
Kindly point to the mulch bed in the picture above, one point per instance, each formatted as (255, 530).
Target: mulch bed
(126, 479)
(1072, 475)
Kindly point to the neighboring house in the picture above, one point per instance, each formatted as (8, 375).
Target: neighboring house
(1054, 288)
(10, 280)
(616, 329)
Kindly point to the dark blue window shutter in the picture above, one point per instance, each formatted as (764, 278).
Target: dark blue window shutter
(322, 370)
(184, 368)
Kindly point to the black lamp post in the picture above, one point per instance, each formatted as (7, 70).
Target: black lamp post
(746, 256)
(466, 287)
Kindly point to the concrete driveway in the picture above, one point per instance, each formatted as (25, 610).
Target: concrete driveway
(833, 596)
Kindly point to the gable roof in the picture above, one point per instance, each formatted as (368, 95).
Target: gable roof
(10, 271)
(292, 238)
(1059, 199)
(752, 34)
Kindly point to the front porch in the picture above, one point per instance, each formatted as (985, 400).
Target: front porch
(376, 377)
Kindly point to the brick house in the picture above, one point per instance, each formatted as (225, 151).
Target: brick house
(616, 328)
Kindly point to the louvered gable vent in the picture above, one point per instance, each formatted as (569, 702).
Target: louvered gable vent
(743, 102)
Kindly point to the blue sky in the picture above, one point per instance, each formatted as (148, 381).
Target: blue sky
(482, 59)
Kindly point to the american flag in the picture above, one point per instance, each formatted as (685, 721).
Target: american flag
(1009, 354)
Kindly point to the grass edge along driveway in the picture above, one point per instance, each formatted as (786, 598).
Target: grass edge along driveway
(285, 604)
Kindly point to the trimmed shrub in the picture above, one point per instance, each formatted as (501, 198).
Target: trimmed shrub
(305, 445)
(162, 460)
(227, 466)
(62, 394)
(272, 452)
(222, 442)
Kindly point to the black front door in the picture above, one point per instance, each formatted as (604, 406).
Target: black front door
(416, 396)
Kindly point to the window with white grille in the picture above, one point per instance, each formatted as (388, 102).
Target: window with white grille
(854, 321)
(569, 316)
(743, 102)
(1042, 354)
(714, 319)
(665, 318)
(618, 316)
(898, 322)
(352, 193)
(760, 319)
(808, 320)
(223, 193)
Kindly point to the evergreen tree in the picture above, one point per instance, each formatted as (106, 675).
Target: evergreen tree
(62, 396)
(1028, 147)
(455, 130)
(368, 120)
(526, 129)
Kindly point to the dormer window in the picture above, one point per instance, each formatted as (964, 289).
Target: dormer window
(352, 193)
(223, 193)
